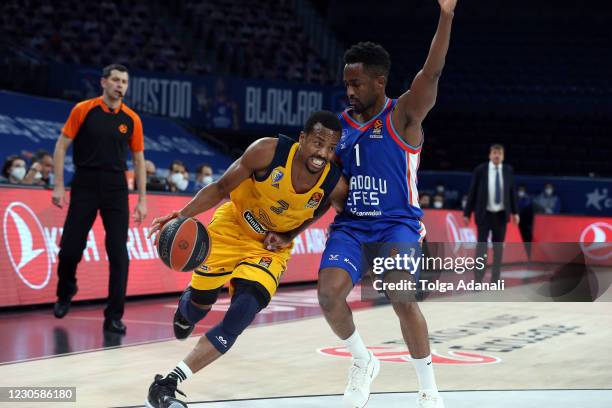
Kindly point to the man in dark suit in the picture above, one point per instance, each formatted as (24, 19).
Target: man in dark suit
(492, 198)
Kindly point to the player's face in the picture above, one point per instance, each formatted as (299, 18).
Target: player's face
(116, 85)
(362, 88)
(318, 147)
(496, 156)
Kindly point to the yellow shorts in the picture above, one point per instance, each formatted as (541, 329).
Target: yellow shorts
(234, 254)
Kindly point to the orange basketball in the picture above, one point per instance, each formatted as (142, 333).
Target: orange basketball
(184, 244)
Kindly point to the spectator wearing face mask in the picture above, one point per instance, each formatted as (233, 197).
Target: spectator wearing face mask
(525, 208)
(41, 171)
(425, 201)
(14, 170)
(450, 197)
(547, 202)
(204, 177)
(438, 201)
(178, 178)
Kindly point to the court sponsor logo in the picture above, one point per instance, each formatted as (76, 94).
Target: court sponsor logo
(595, 241)
(26, 245)
(399, 354)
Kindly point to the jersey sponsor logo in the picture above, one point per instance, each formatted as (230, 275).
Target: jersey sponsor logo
(27, 247)
(377, 130)
(393, 354)
(277, 176)
(123, 128)
(265, 261)
(253, 222)
(314, 201)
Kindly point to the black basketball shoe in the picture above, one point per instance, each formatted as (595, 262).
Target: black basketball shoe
(182, 327)
(162, 394)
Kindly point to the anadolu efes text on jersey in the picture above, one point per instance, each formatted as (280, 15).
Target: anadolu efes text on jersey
(381, 168)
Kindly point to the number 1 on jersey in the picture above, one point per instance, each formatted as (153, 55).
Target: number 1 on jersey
(357, 155)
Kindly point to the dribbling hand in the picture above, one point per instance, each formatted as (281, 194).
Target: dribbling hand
(275, 241)
(159, 222)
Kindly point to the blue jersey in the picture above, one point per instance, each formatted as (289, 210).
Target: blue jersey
(381, 169)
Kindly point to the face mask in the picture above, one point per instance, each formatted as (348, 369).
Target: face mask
(18, 173)
(207, 180)
(521, 194)
(548, 191)
(38, 175)
(438, 204)
(440, 189)
(179, 181)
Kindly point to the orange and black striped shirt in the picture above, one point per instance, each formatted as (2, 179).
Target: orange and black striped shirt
(102, 136)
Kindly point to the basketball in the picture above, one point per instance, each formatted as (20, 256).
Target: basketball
(184, 244)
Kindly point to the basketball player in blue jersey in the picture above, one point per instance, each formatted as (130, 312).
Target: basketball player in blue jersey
(380, 151)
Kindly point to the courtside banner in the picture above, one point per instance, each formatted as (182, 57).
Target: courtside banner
(592, 238)
(459, 238)
(30, 233)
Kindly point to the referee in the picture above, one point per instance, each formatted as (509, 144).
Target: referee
(103, 129)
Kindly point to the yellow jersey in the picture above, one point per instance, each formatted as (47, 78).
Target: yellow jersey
(270, 203)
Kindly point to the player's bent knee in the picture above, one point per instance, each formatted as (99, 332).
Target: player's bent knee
(204, 297)
(245, 305)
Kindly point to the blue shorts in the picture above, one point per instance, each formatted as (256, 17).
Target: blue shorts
(380, 239)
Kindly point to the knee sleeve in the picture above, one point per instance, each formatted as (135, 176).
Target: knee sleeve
(192, 313)
(245, 305)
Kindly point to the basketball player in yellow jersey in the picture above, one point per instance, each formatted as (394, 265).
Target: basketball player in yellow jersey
(276, 190)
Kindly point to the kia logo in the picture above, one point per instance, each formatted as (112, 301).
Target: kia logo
(595, 241)
(26, 245)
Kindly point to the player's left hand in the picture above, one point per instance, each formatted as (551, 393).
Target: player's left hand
(447, 6)
(275, 241)
(140, 212)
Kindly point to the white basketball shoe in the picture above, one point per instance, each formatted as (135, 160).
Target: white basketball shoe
(361, 375)
(429, 399)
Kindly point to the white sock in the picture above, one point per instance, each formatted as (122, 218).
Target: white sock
(181, 372)
(355, 345)
(425, 373)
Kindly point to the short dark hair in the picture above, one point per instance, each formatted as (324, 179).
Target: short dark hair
(106, 71)
(8, 163)
(373, 57)
(201, 167)
(178, 163)
(38, 156)
(496, 146)
(326, 118)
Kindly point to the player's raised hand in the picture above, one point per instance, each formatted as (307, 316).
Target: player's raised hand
(159, 222)
(447, 6)
(276, 240)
